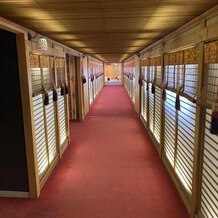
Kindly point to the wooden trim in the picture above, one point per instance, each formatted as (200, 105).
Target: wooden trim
(196, 21)
(66, 102)
(56, 114)
(162, 113)
(136, 88)
(10, 26)
(57, 125)
(26, 96)
(79, 89)
(198, 145)
(14, 194)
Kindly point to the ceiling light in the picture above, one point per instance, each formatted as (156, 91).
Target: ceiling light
(42, 44)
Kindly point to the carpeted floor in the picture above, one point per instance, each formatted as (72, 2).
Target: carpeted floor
(110, 170)
(112, 101)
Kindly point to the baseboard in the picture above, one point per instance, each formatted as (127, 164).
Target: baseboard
(14, 194)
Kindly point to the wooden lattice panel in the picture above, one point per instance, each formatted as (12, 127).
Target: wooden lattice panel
(44, 61)
(159, 75)
(145, 62)
(60, 62)
(211, 53)
(152, 61)
(158, 61)
(191, 55)
(51, 59)
(179, 57)
(34, 60)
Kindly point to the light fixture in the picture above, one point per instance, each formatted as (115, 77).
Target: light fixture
(41, 43)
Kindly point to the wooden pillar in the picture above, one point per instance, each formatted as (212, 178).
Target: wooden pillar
(79, 89)
(26, 95)
(198, 146)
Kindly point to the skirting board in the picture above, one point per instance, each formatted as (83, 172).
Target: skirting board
(14, 194)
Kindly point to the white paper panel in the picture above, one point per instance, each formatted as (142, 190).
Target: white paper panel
(170, 127)
(157, 114)
(62, 118)
(185, 143)
(41, 150)
(209, 195)
(51, 131)
(151, 109)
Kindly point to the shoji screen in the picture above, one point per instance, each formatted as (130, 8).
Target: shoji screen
(91, 91)
(191, 72)
(94, 83)
(40, 135)
(209, 190)
(62, 118)
(179, 134)
(133, 84)
(157, 104)
(144, 89)
(170, 127)
(157, 118)
(47, 64)
(142, 92)
(186, 76)
(42, 75)
(169, 110)
(51, 129)
(185, 143)
(62, 112)
(151, 95)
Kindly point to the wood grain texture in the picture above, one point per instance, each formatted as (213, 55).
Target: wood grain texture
(108, 30)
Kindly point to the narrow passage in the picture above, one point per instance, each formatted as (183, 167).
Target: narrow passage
(110, 170)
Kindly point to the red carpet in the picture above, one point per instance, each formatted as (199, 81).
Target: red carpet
(112, 101)
(111, 170)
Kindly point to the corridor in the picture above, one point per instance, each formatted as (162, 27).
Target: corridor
(110, 170)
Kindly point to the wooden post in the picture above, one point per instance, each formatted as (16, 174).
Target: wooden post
(79, 89)
(198, 145)
(162, 115)
(66, 101)
(26, 95)
(56, 112)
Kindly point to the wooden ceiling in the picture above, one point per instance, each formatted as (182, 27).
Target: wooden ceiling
(109, 30)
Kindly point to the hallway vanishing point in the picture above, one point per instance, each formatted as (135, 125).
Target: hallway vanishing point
(110, 170)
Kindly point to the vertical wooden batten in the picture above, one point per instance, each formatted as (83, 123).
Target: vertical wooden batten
(198, 145)
(67, 103)
(162, 112)
(25, 81)
(79, 89)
